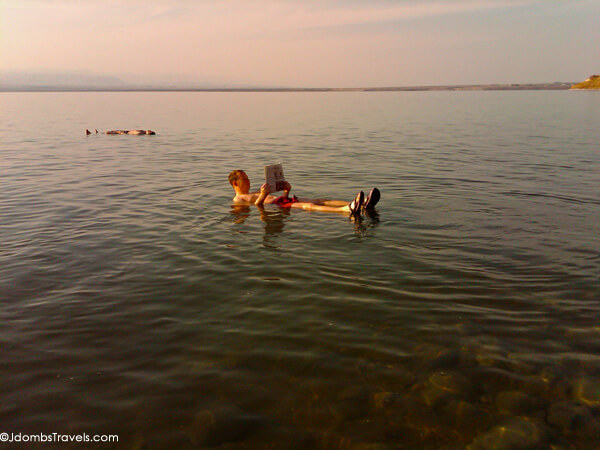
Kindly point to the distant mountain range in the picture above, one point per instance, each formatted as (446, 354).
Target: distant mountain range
(15, 80)
(76, 81)
(79, 81)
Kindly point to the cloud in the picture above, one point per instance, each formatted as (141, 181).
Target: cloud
(394, 11)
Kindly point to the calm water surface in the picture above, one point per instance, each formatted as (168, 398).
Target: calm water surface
(135, 300)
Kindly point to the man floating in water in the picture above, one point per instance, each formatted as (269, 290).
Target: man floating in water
(88, 132)
(130, 132)
(241, 184)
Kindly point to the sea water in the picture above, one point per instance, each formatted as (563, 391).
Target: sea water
(136, 300)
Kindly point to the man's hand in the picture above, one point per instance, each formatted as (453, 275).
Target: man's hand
(287, 187)
(265, 189)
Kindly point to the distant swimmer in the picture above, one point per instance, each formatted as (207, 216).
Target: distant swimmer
(88, 132)
(130, 132)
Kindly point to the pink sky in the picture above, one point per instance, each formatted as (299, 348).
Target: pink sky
(306, 43)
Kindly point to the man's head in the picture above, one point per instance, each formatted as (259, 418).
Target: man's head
(240, 181)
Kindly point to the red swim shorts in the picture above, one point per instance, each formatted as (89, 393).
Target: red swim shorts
(286, 202)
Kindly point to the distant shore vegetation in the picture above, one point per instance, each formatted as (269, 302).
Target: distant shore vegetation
(593, 82)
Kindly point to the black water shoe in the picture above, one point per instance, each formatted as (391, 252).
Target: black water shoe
(372, 199)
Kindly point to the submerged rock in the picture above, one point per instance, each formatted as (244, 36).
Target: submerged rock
(408, 411)
(442, 386)
(402, 378)
(212, 428)
(161, 440)
(465, 414)
(383, 400)
(353, 403)
(491, 380)
(333, 440)
(556, 381)
(446, 359)
(394, 377)
(284, 437)
(517, 403)
(371, 446)
(517, 434)
(573, 418)
(587, 390)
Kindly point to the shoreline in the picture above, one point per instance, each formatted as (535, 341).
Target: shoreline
(479, 87)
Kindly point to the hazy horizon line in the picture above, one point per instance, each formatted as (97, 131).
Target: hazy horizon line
(88, 80)
(556, 85)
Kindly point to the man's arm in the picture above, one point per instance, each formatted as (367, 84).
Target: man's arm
(264, 191)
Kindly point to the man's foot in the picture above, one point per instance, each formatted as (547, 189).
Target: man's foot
(357, 203)
(372, 199)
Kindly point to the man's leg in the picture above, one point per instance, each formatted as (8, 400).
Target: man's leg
(324, 202)
(337, 203)
(322, 208)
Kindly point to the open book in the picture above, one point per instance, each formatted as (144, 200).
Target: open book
(274, 177)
